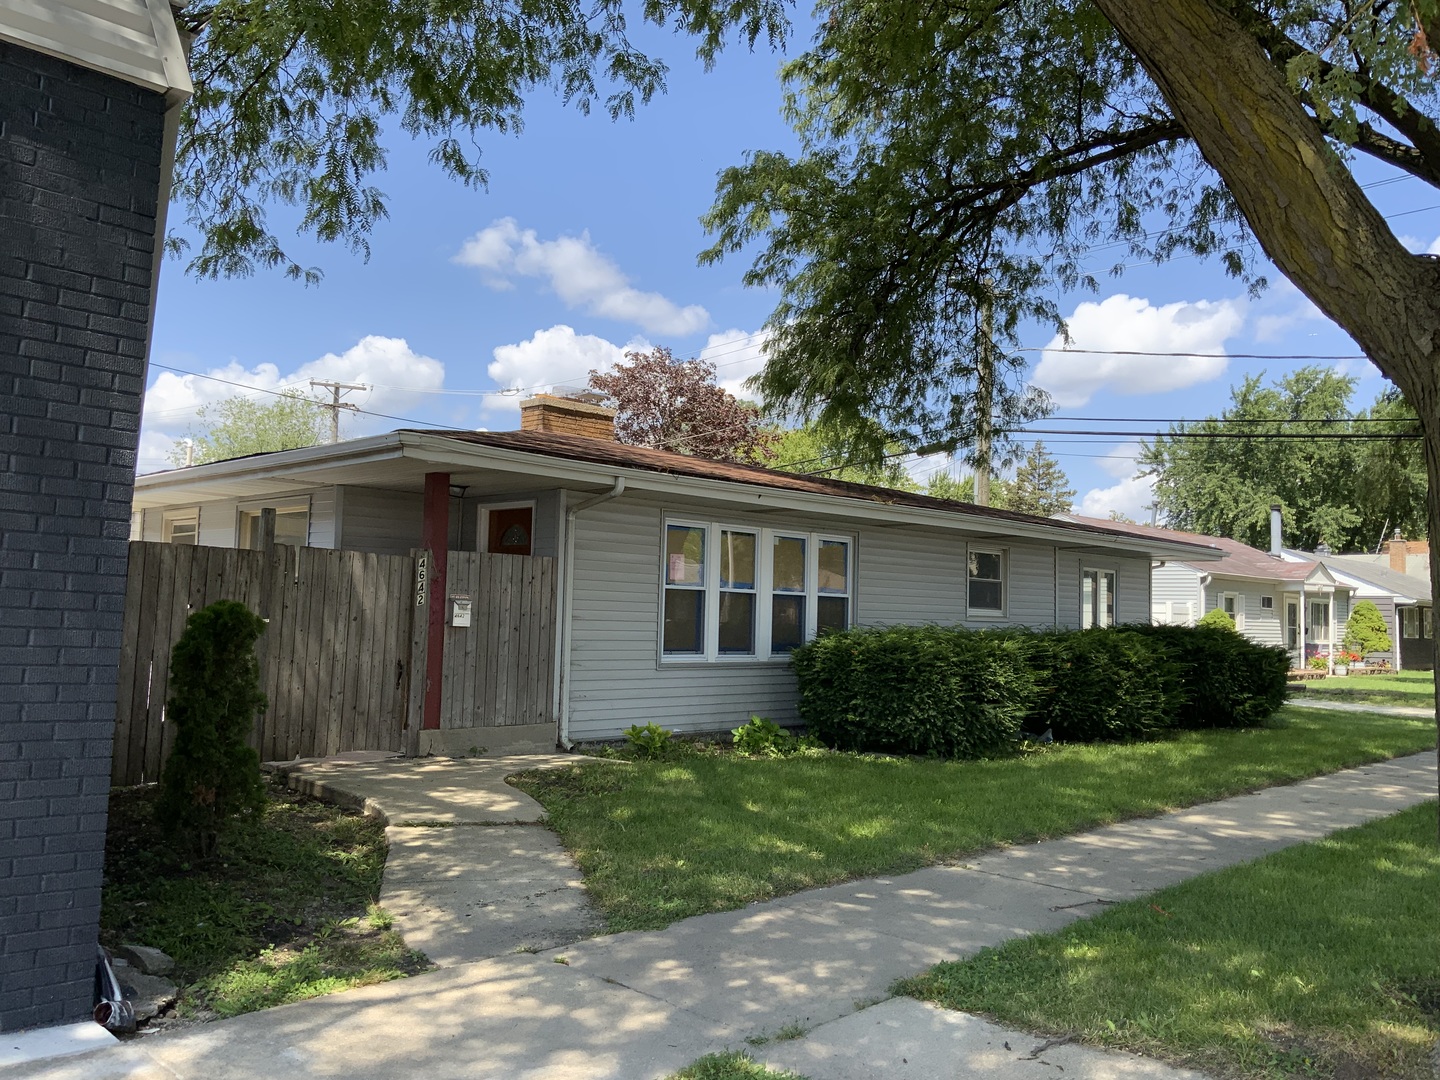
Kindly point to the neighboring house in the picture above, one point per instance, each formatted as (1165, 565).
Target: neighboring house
(89, 102)
(1274, 600)
(1403, 599)
(683, 583)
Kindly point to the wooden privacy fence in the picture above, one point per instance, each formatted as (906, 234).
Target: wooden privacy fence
(344, 636)
(335, 660)
(500, 670)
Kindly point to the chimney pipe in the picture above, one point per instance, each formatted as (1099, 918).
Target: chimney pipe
(1275, 525)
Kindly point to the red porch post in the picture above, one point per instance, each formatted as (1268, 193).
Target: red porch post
(435, 538)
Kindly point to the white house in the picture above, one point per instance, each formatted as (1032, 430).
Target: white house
(683, 583)
(1402, 599)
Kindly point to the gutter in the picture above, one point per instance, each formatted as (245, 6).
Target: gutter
(567, 602)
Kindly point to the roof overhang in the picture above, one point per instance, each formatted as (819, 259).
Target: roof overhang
(399, 461)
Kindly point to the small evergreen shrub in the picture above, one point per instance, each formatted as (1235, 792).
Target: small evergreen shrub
(916, 690)
(1105, 685)
(1217, 619)
(1226, 680)
(211, 774)
(1365, 632)
(651, 741)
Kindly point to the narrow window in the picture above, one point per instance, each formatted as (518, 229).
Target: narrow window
(832, 607)
(737, 593)
(684, 589)
(787, 602)
(1097, 598)
(987, 582)
(1234, 606)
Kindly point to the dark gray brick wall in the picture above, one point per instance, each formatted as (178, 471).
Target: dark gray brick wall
(79, 174)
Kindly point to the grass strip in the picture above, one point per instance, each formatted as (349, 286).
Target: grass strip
(1319, 960)
(713, 831)
(284, 911)
(1413, 688)
(730, 1066)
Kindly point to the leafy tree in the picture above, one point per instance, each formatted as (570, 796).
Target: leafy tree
(1218, 618)
(1365, 631)
(677, 405)
(1336, 491)
(814, 448)
(211, 774)
(1122, 518)
(1040, 485)
(240, 425)
(945, 485)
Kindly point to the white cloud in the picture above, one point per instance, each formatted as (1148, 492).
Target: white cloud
(579, 273)
(737, 355)
(550, 358)
(1131, 496)
(399, 377)
(1120, 461)
(1418, 246)
(1434, 248)
(1132, 324)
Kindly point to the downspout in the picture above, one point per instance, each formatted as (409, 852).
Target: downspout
(567, 602)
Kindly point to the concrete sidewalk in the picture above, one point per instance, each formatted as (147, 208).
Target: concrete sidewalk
(1413, 711)
(642, 1005)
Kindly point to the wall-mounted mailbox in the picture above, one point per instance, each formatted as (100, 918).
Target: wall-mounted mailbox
(459, 610)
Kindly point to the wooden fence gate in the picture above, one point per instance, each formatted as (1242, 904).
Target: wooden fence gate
(500, 670)
(335, 660)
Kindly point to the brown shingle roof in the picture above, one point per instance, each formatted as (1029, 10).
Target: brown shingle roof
(621, 455)
(1241, 560)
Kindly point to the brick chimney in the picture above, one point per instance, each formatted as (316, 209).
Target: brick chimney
(1397, 547)
(567, 416)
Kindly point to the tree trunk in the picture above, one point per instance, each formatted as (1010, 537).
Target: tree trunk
(1302, 203)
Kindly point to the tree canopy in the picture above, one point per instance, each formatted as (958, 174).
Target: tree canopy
(816, 448)
(677, 405)
(1040, 485)
(237, 426)
(1221, 476)
(291, 98)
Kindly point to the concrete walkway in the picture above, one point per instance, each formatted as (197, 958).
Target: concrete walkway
(1301, 701)
(642, 1005)
(470, 874)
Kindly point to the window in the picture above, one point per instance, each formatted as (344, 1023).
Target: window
(1318, 628)
(1267, 603)
(1097, 598)
(1234, 605)
(987, 582)
(1416, 623)
(507, 530)
(292, 526)
(734, 593)
(181, 526)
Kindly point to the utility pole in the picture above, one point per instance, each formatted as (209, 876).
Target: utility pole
(984, 397)
(335, 404)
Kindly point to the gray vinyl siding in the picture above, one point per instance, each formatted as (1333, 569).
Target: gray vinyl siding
(1173, 584)
(381, 522)
(901, 575)
(1261, 626)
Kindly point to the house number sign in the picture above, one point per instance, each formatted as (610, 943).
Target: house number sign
(422, 579)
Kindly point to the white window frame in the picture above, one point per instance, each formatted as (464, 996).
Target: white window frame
(1267, 603)
(289, 505)
(1100, 572)
(763, 592)
(482, 521)
(170, 518)
(1003, 554)
(1320, 626)
(1237, 601)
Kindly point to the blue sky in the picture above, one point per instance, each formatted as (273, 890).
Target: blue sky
(584, 246)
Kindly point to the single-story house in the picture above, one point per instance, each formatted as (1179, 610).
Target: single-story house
(1274, 599)
(1403, 600)
(683, 583)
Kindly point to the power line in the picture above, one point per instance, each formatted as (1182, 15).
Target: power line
(1185, 355)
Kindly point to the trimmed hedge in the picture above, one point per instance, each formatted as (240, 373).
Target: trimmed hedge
(916, 690)
(1226, 679)
(1104, 685)
(969, 693)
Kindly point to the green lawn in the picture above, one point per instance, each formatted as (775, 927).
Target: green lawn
(1398, 688)
(730, 1066)
(284, 911)
(1320, 960)
(712, 831)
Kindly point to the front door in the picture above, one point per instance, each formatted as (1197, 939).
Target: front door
(509, 530)
(1292, 629)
